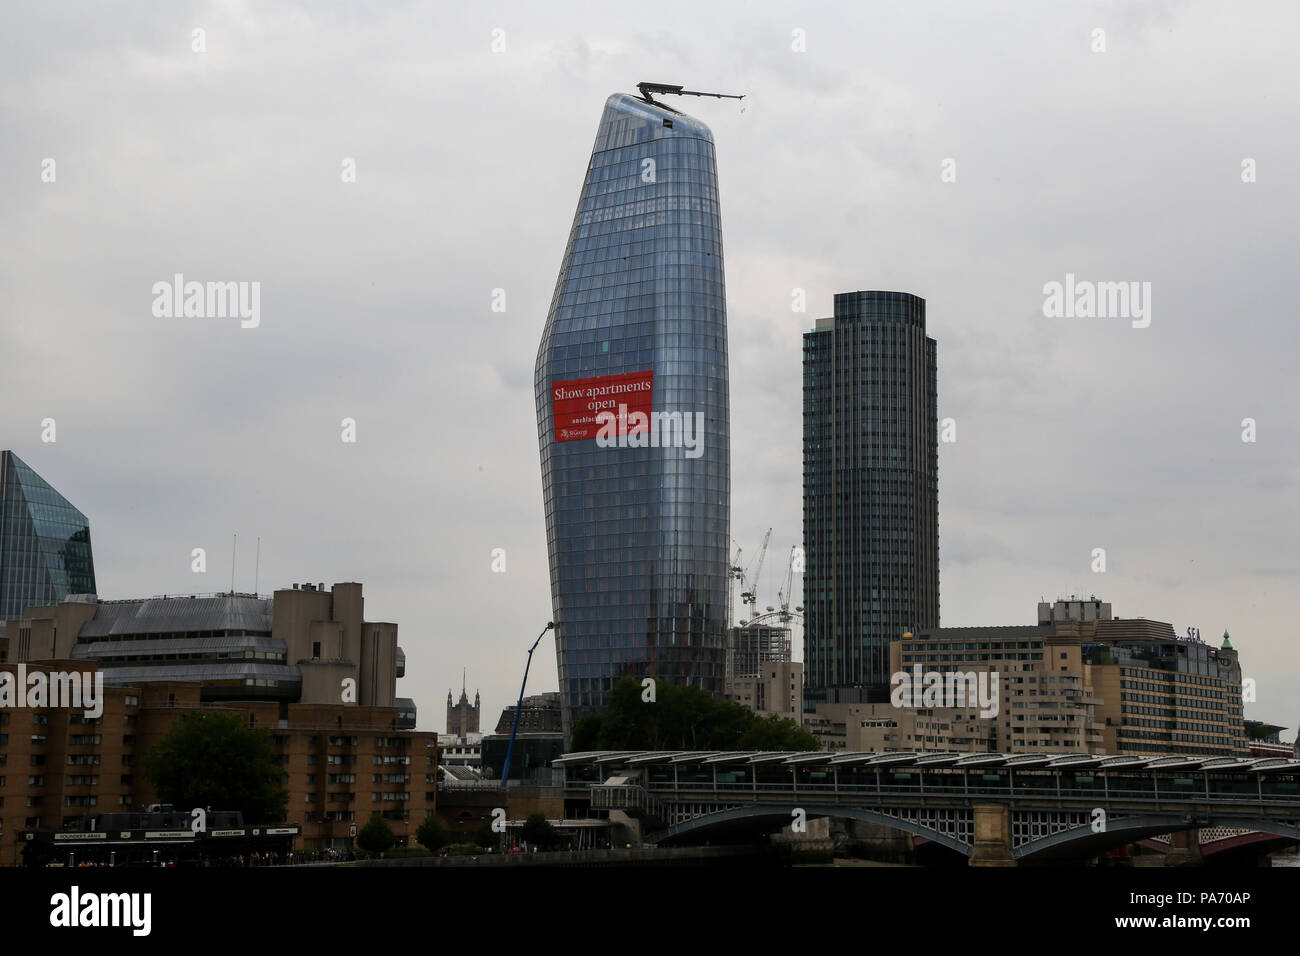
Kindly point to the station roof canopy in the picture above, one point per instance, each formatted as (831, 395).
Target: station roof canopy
(930, 760)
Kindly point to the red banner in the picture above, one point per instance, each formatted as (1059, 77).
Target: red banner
(578, 401)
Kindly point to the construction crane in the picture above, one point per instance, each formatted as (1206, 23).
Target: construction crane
(519, 707)
(786, 589)
(661, 88)
(750, 596)
(735, 572)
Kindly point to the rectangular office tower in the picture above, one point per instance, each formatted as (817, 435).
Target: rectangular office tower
(870, 492)
(636, 345)
(44, 542)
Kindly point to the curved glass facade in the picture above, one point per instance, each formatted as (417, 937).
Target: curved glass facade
(637, 536)
(44, 542)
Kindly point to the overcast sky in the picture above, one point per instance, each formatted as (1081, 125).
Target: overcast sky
(1072, 433)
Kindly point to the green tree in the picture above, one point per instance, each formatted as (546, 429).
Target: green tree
(376, 836)
(537, 830)
(683, 718)
(215, 760)
(776, 733)
(433, 833)
(586, 733)
(485, 836)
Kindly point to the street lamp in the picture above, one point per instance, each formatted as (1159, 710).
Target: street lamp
(510, 748)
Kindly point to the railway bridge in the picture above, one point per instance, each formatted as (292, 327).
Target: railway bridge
(995, 809)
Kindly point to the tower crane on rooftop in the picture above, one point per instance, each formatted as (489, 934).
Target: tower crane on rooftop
(735, 572)
(783, 595)
(750, 596)
(647, 89)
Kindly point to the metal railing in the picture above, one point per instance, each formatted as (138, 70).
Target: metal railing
(625, 797)
(1109, 793)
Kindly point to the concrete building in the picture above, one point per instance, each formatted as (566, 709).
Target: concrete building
(460, 757)
(870, 494)
(531, 760)
(1162, 694)
(539, 741)
(777, 688)
(540, 715)
(749, 646)
(303, 645)
(1265, 740)
(1080, 681)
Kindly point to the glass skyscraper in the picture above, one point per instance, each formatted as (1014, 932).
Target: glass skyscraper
(44, 542)
(871, 491)
(637, 536)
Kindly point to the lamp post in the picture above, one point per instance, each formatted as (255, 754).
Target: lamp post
(510, 748)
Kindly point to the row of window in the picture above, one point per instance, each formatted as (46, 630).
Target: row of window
(385, 797)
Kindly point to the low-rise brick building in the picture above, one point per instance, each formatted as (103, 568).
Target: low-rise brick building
(304, 665)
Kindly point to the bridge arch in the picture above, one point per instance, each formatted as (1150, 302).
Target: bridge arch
(1123, 830)
(772, 816)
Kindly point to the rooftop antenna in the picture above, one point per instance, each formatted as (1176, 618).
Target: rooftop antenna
(234, 545)
(257, 565)
(649, 88)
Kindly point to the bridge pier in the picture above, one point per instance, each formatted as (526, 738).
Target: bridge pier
(992, 846)
(1184, 849)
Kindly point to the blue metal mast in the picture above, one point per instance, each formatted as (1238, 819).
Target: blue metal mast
(510, 748)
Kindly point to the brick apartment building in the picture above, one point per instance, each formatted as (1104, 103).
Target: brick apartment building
(304, 665)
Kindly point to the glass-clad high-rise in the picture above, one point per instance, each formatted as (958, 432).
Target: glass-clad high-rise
(870, 493)
(44, 542)
(637, 528)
